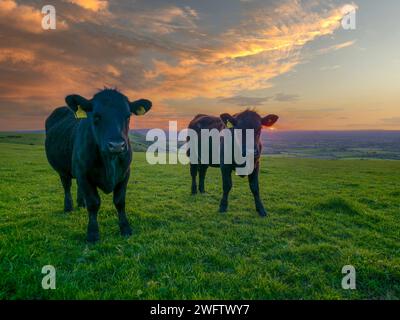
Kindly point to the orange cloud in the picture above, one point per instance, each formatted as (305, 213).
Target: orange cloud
(22, 17)
(93, 5)
(245, 57)
(338, 46)
(110, 69)
(16, 55)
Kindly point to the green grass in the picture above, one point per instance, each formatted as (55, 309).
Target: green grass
(324, 214)
(22, 138)
(139, 141)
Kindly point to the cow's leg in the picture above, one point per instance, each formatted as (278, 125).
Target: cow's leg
(80, 198)
(66, 183)
(92, 200)
(202, 176)
(193, 173)
(254, 187)
(119, 202)
(226, 186)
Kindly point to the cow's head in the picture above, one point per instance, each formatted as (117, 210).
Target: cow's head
(109, 112)
(249, 119)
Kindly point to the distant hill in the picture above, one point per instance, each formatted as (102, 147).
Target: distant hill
(300, 144)
(138, 141)
(333, 144)
(28, 138)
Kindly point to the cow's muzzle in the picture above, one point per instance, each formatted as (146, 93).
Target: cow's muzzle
(116, 147)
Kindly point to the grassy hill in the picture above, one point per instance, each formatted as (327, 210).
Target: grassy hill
(138, 140)
(324, 214)
(22, 138)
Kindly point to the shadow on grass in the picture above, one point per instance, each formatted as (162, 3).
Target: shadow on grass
(338, 205)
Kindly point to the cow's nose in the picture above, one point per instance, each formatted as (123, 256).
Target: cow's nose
(116, 147)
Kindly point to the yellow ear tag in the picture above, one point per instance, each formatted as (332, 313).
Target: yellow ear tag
(140, 111)
(80, 113)
(229, 125)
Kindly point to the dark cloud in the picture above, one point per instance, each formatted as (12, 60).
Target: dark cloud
(391, 121)
(245, 101)
(284, 97)
(330, 109)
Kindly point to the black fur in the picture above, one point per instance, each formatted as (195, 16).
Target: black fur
(247, 119)
(94, 150)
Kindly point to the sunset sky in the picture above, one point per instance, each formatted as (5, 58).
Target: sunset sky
(288, 57)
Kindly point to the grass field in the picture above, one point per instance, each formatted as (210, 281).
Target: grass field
(324, 214)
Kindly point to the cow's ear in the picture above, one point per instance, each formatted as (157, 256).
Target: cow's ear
(228, 120)
(75, 101)
(140, 107)
(269, 120)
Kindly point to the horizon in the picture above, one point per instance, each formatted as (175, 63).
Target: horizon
(264, 131)
(290, 58)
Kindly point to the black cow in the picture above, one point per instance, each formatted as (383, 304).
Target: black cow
(247, 119)
(95, 150)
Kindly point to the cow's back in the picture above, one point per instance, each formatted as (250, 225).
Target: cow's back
(61, 128)
(203, 121)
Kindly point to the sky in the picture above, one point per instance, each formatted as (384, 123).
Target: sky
(292, 58)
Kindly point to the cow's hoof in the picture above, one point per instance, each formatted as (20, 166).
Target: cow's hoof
(68, 209)
(202, 191)
(93, 237)
(194, 192)
(223, 209)
(81, 205)
(262, 213)
(126, 231)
